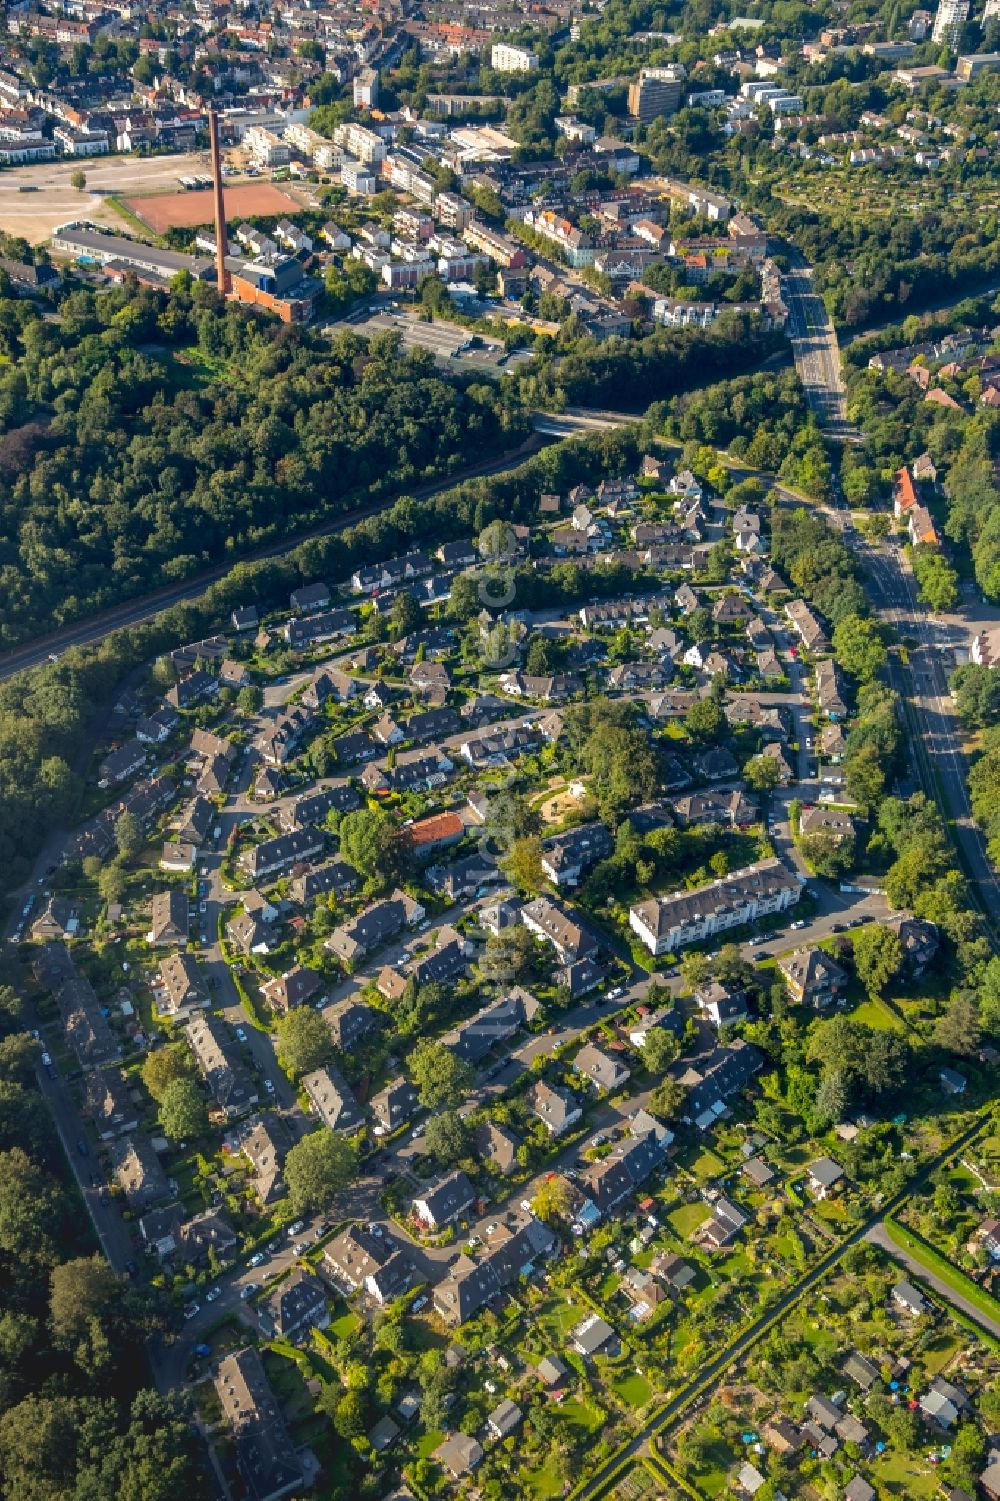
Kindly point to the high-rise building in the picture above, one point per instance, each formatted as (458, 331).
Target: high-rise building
(366, 89)
(951, 16)
(991, 12)
(656, 92)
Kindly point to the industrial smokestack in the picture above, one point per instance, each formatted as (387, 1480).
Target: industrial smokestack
(221, 242)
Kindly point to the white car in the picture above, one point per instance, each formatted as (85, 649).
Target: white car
(269, 1085)
(241, 1034)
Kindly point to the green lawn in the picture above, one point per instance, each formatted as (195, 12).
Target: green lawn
(686, 1218)
(558, 1317)
(344, 1326)
(950, 1274)
(580, 1414)
(878, 1016)
(634, 1390)
(707, 1166)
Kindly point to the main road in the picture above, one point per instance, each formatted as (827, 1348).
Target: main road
(922, 683)
(816, 351)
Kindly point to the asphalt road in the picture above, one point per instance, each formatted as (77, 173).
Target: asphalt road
(816, 352)
(878, 1235)
(924, 686)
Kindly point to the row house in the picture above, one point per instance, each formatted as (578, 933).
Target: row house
(667, 923)
(273, 855)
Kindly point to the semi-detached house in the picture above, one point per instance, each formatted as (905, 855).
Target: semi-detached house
(667, 923)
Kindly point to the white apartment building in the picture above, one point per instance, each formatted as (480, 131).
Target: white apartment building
(506, 58)
(668, 923)
(304, 140)
(364, 144)
(950, 17)
(358, 178)
(266, 148)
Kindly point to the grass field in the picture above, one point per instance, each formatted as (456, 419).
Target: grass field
(687, 1217)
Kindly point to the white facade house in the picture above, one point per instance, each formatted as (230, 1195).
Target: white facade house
(506, 58)
(667, 923)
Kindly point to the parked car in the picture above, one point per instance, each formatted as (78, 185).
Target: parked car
(248, 1291)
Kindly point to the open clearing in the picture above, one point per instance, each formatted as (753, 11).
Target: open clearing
(53, 202)
(187, 210)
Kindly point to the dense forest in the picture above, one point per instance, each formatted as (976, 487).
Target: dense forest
(143, 438)
(146, 437)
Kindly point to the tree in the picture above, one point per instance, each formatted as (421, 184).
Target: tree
(551, 1201)
(958, 1028)
(303, 1041)
(523, 864)
(440, 1077)
(704, 720)
(406, 614)
(762, 773)
(351, 1416)
(183, 1111)
(19, 1054)
(829, 853)
(976, 690)
(249, 700)
(112, 883)
(831, 1099)
(694, 969)
(864, 775)
(318, 1168)
(858, 647)
(446, 1137)
(164, 1066)
(128, 836)
(667, 1099)
(507, 956)
(90, 1312)
(369, 842)
(31, 1209)
(659, 1049)
(878, 958)
(78, 180)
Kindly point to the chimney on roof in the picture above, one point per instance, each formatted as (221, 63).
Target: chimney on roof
(222, 279)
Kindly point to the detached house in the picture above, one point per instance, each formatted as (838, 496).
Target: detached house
(333, 1099)
(446, 1200)
(606, 1072)
(294, 988)
(812, 978)
(557, 1109)
(169, 913)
